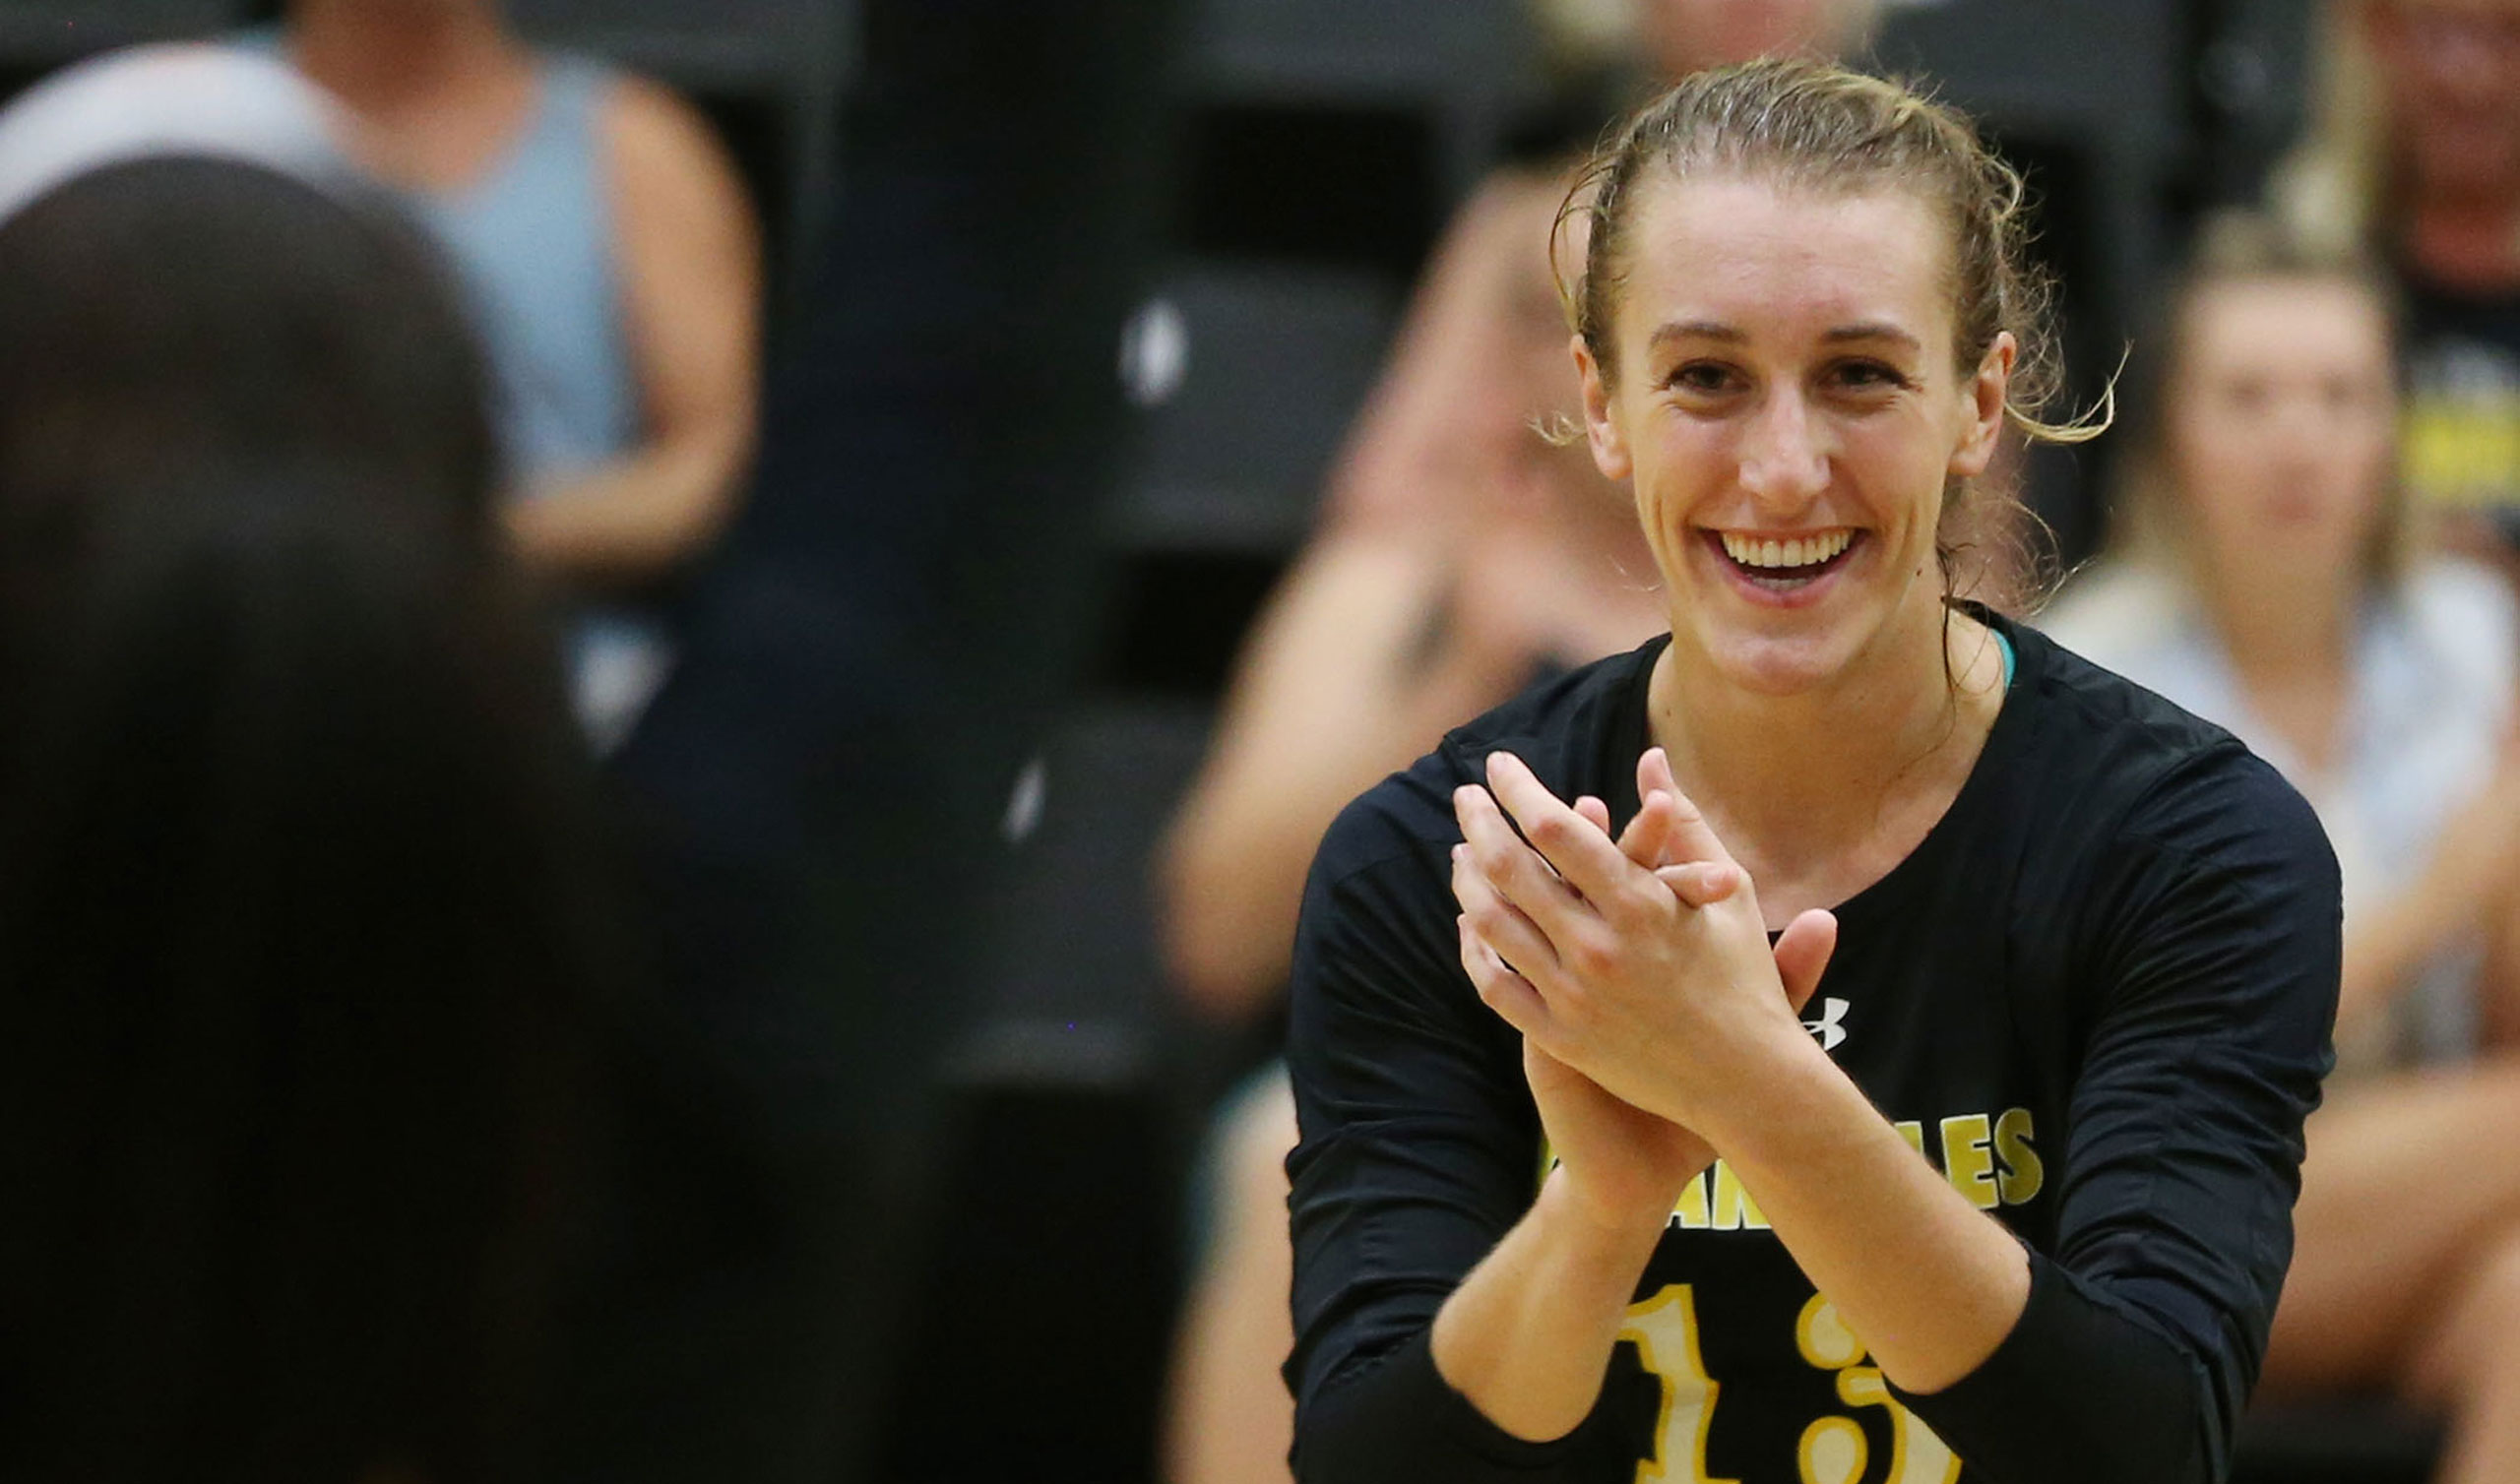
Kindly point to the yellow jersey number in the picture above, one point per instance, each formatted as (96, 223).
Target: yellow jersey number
(1834, 1448)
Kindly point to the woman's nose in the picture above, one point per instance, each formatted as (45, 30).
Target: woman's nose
(1784, 457)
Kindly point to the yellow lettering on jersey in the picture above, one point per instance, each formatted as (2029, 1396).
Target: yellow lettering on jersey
(1824, 1339)
(2023, 1174)
(1989, 1160)
(1917, 1456)
(1663, 1329)
(1834, 1452)
(1735, 1211)
(1690, 1213)
(1966, 1161)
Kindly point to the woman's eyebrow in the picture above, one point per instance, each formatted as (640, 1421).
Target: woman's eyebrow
(1715, 330)
(1697, 330)
(1872, 331)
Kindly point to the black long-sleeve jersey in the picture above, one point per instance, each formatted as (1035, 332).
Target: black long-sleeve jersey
(2097, 998)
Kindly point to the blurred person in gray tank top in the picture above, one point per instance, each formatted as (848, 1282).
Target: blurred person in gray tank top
(613, 261)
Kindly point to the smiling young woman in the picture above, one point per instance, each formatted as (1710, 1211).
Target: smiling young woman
(1581, 1195)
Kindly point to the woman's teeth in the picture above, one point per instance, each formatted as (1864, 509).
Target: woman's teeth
(1804, 552)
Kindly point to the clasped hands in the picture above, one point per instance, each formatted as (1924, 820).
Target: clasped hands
(1637, 969)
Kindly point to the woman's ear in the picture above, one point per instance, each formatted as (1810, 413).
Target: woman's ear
(1601, 419)
(1983, 409)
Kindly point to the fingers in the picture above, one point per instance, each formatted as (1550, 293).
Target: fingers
(1802, 952)
(1703, 883)
(1692, 838)
(1654, 774)
(1516, 873)
(1516, 1001)
(1585, 858)
(1648, 837)
(1498, 921)
(1647, 841)
(1596, 814)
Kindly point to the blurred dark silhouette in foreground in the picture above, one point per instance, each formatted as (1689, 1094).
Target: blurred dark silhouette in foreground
(299, 892)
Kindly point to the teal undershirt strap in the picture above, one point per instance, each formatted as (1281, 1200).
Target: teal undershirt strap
(2005, 645)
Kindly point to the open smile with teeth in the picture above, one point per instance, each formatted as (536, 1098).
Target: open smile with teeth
(1787, 563)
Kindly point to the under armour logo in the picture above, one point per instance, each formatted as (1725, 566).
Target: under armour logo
(1830, 1026)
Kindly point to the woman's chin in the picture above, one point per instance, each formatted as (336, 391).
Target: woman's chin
(1777, 665)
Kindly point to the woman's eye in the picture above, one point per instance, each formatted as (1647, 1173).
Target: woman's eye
(1870, 376)
(1705, 378)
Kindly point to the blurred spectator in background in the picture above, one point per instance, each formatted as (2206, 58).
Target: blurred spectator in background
(613, 263)
(299, 893)
(1461, 557)
(2415, 148)
(2268, 578)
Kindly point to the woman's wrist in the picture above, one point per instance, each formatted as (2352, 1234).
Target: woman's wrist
(1526, 1336)
(1611, 1233)
(1772, 1071)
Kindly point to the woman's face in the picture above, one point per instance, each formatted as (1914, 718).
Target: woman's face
(1687, 35)
(1786, 406)
(2451, 71)
(2282, 425)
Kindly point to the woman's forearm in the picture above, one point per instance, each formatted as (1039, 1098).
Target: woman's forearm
(1527, 1335)
(636, 518)
(1929, 1283)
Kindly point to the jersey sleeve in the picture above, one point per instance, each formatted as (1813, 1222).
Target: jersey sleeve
(1419, 1152)
(2213, 926)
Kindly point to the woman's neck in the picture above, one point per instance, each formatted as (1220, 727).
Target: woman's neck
(1806, 784)
(384, 57)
